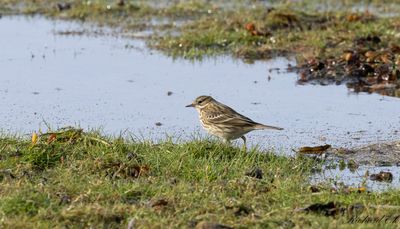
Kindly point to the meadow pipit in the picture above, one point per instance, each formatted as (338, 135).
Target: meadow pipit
(224, 122)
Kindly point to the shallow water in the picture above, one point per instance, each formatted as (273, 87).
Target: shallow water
(358, 178)
(118, 85)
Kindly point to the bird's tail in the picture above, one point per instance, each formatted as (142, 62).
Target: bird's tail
(262, 126)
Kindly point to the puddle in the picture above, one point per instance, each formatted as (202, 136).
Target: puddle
(120, 86)
(358, 178)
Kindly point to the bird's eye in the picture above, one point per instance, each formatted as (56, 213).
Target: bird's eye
(200, 101)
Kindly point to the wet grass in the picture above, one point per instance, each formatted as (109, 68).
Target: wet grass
(76, 179)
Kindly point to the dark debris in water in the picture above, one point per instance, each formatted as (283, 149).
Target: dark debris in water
(371, 65)
(72, 32)
(382, 177)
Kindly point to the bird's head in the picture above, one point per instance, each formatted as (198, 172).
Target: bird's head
(201, 102)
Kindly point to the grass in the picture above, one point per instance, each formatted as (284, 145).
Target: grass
(76, 179)
(255, 34)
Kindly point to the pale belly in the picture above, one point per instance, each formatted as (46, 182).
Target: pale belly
(224, 132)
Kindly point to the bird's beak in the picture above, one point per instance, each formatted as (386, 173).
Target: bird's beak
(190, 105)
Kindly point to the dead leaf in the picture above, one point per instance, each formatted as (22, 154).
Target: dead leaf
(51, 138)
(250, 27)
(355, 190)
(314, 149)
(34, 138)
(158, 204)
(254, 31)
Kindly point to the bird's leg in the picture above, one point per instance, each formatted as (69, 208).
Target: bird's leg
(244, 139)
(244, 143)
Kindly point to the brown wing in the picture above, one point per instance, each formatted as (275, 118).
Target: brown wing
(222, 114)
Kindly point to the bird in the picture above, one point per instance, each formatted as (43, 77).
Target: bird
(222, 121)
